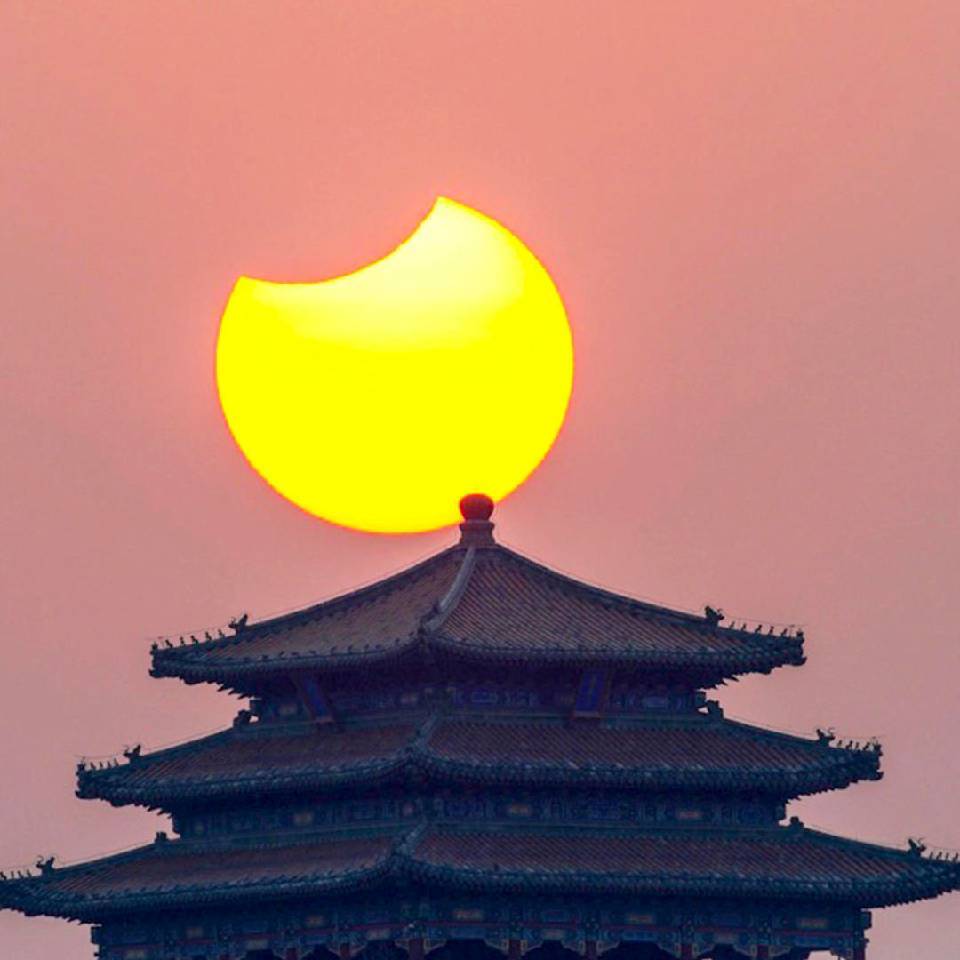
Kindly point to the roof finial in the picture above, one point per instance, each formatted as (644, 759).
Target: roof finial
(476, 529)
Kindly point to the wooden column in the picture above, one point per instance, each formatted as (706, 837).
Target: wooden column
(513, 950)
(344, 951)
(590, 949)
(763, 952)
(292, 954)
(686, 951)
(415, 948)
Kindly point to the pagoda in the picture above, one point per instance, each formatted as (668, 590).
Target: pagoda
(476, 759)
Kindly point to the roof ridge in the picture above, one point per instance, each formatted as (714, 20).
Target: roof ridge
(89, 770)
(838, 839)
(756, 729)
(92, 863)
(448, 602)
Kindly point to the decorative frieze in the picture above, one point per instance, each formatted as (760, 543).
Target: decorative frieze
(559, 696)
(463, 807)
(411, 929)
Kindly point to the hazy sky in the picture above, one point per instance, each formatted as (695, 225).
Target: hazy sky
(753, 213)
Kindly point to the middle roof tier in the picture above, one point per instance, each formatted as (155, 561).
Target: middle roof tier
(686, 752)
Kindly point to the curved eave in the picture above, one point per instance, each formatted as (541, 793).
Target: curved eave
(862, 893)
(166, 796)
(29, 897)
(709, 668)
(191, 668)
(722, 664)
(771, 782)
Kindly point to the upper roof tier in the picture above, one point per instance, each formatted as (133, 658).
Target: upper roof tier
(479, 601)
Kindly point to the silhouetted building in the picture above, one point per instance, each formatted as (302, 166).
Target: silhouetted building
(480, 758)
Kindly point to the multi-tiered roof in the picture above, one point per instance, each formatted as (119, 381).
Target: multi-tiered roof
(480, 749)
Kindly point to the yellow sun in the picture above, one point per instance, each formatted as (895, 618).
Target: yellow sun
(377, 399)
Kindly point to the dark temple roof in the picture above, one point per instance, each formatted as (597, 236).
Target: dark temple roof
(483, 603)
(781, 862)
(778, 862)
(696, 751)
(174, 873)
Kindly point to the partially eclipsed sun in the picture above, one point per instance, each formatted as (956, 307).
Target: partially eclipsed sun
(377, 399)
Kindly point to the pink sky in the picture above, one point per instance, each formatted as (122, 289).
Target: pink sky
(753, 213)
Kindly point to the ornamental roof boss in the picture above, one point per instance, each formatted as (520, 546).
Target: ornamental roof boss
(480, 758)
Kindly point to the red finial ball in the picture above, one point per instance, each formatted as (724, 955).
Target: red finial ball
(476, 506)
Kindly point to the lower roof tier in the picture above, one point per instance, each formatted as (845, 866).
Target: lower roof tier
(769, 864)
(692, 752)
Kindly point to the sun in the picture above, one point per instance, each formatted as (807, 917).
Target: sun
(377, 399)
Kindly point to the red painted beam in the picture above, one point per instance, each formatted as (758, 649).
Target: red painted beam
(415, 948)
